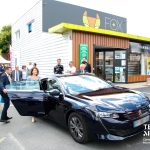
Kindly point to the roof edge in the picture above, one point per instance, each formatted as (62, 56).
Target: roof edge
(65, 27)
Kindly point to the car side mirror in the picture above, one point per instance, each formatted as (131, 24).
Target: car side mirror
(54, 92)
(109, 82)
(61, 97)
(44, 84)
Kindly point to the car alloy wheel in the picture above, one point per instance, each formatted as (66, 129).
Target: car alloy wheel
(78, 128)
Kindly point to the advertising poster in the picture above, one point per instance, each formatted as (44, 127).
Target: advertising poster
(119, 74)
(83, 51)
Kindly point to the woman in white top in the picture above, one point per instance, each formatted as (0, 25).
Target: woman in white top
(34, 77)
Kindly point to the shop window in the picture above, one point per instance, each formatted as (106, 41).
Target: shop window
(134, 64)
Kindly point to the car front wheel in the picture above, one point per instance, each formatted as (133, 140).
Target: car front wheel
(78, 128)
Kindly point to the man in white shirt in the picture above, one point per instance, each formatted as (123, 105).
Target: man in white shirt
(71, 69)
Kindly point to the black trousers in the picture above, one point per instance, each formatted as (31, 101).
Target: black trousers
(6, 106)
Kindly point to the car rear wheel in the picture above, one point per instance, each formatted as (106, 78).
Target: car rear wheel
(78, 128)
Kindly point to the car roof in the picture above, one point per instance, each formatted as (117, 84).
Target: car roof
(65, 75)
(75, 74)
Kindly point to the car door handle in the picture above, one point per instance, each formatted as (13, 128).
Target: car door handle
(15, 96)
(30, 97)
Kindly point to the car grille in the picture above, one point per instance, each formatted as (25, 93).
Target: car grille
(135, 114)
(126, 132)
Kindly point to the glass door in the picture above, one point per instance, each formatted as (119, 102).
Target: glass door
(100, 64)
(104, 65)
(109, 65)
(120, 66)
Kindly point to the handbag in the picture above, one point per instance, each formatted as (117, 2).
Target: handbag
(1, 99)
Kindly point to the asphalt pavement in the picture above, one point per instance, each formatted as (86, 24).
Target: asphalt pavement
(22, 134)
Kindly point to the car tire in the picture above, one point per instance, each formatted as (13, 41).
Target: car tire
(78, 128)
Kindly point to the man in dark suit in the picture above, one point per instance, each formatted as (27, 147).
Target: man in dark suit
(5, 80)
(88, 66)
(58, 69)
(16, 74)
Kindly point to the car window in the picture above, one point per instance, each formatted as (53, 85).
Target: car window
(24, 85)
(83, 83)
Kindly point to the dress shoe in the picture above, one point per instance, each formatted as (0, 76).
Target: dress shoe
(5, 121)
(8, 118)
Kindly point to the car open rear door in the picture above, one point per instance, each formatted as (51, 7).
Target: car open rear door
(27, 98)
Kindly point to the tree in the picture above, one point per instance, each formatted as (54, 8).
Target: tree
(5, 38)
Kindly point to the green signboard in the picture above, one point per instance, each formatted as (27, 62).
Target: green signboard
(83, 52)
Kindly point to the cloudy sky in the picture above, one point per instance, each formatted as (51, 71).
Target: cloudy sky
(136, 12)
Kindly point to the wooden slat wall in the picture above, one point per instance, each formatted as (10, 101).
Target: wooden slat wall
(137, 78)
(94, 39)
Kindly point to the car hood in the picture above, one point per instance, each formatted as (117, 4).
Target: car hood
(119, 102)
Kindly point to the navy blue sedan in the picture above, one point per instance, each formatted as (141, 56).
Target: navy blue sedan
(90, 107)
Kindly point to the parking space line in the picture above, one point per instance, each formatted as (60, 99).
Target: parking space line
(13, 138)
(2, 139)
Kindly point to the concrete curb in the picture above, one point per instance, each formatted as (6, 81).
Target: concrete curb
(133, 85)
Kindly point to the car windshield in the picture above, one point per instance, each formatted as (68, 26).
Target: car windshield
(83, 83)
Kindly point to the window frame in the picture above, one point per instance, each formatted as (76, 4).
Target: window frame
(30, 26)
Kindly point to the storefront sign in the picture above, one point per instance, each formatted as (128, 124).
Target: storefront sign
(83, 52)
(56, 12)
(139, 47)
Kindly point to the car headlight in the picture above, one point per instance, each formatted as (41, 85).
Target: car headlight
(107, 115)
(140, 93)
(101, 114)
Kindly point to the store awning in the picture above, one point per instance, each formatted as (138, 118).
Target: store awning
(65, 27)
(3, 61)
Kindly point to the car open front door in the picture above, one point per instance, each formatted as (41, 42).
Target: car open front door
(27, 98)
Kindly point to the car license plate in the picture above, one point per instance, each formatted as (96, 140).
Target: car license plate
(140, 121)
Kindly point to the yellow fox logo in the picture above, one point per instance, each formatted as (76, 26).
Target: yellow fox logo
(90, 21)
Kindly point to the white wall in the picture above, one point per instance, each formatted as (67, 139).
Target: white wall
(25, 47)
(37, 46)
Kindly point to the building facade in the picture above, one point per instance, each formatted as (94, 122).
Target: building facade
(31, 44)
(53, 29)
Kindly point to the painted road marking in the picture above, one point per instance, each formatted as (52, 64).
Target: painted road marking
(13, 138)
(2, 139)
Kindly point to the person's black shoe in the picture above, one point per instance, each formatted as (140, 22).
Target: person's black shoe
(5, 121)
(8, 118)
(2, 120)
